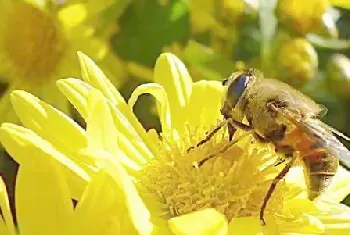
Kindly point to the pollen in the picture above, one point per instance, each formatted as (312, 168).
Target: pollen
(33, 42)
(234, 182)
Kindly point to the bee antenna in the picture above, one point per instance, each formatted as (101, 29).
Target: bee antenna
(250, 71)
(224, 82)
(253, 72)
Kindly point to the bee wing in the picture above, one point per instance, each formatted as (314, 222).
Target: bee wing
(334, 131)
(331, 143)
(321, 131)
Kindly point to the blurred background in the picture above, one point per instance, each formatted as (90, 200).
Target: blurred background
(303, 43)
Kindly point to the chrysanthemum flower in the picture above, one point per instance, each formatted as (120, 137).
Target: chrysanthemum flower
(129, 181)
(38, 44)
(309, 16)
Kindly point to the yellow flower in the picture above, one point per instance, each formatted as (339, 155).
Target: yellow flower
(129, 181)
(304, 16)
(298, 60)
(309, 16)
(38, 45)
(213, 15)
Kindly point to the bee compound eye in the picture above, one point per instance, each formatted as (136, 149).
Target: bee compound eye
(239, 85)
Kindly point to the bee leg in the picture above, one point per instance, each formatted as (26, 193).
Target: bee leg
(224, 149)
(240, 125)
(280, 161)
(249, 128)
(209, 135)
(260, 138)
(231, 131)
(273, 186)
(286, 150)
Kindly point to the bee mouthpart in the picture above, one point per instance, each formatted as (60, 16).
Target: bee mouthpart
(195, 165)
(189, 149)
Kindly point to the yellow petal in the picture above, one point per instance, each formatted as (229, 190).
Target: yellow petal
(77, 92)
(338, 229)
(339, 188)
(336, 192)
(43, 201)
(130, 141)
(245, 226)
(25, 146)
(6, 110)
(6, 220)
(135, 214)
(334, 216)
(101, 130)
(161, 96)
(205, 222)
(298, 206)
(305, 224)
(202, 109)
(306, 214)
(93, 75)
(172, 74)
(296, 182)
(49, 123)
(96, 211)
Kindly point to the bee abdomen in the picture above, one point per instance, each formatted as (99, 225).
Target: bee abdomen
(320, 168)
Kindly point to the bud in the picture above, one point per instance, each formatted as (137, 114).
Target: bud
(235, 12)
(303, 16)
(298, 60)
(338, 75)
(328, 27)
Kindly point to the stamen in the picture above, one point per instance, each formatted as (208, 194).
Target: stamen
(234, 182)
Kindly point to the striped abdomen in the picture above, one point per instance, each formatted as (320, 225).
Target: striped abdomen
(320, 165)
(319, 168)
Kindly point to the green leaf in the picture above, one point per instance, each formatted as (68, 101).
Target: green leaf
(209, 64)
(110, 14)
(147, 27)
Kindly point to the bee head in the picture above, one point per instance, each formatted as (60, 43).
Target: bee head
(236, 85)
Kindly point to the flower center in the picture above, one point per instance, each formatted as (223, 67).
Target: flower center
(234, 182)
(33, 44)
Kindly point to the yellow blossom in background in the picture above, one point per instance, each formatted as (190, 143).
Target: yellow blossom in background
(304, 16)
(298, 59)
(212, 15)
(38, 44)
(129, 181)
(308, 16)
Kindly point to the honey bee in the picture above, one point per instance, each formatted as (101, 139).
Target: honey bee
(277, 113)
